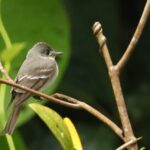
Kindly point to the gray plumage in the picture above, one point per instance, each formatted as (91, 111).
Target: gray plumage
(38, 69)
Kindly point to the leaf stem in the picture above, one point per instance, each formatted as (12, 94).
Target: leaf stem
(10, 142)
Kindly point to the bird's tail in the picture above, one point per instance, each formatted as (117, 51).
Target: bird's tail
(10, 125)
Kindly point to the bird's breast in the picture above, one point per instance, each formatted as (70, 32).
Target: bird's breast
(52, 78)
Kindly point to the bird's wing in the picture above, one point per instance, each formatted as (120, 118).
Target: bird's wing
(34, 77)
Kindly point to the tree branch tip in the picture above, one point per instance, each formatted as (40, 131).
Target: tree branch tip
(97, 27)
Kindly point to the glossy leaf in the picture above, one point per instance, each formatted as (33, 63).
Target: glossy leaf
(74, 135)
(55, 123)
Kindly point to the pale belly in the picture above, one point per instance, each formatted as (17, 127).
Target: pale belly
(51, 80)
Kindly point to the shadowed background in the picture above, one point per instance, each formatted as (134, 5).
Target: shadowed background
(85, 76)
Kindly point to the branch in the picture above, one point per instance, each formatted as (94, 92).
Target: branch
(126, 56)
(37, 93)
(114, 77)
(128, 143)
(70, 102)
(98, 31)
(92, 111)
(5, 72)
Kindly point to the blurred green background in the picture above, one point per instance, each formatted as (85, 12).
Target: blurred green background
(66, 25)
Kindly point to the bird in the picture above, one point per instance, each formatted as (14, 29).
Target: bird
(38, 71)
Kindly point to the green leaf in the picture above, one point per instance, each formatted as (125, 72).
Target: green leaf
(142, 148)
(9, 54)
(55, 123)
(74, 134)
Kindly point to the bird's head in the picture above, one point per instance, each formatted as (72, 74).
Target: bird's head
(43, 49)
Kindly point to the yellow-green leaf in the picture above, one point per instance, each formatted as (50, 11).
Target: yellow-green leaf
(55, 123)
(142, 148)
(9, 54)
(74, 135)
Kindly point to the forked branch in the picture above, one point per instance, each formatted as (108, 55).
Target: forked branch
(114, 77)
(114, 72)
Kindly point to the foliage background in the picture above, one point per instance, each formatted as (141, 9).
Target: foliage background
(86, 76)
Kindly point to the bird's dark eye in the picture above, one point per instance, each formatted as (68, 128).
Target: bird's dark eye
(47, 51)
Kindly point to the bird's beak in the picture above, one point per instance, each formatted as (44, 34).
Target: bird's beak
(56, 54)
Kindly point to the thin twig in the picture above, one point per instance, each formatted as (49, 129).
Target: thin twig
(5, 72)
(92, 111)
(135, 37)
(70, 102)
(122, 147)
(37, 93)
(98, 31)
(114, 77)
